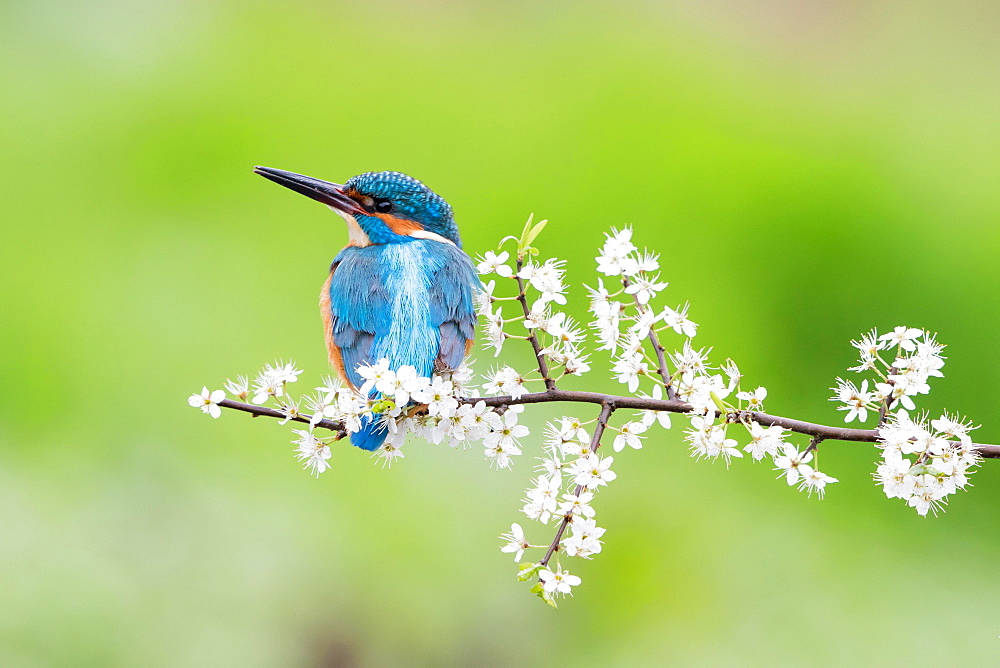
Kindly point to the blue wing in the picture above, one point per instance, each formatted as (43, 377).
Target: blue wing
(453, 310)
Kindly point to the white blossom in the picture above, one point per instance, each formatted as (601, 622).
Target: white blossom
(793, 464)
(678, 320)
(689, 361)
(506, 381)
(585, 539)
(375, 374)
(390, 451)
(644, 288)
(563, 329)
(439, 397)
(547, 279)
(954, 427)
(629, 434)
(291, 410)
(239, 388)
(651, 416)
(501, 444)
(207, 401)
(636, 263)
(629, 368)
(617, 247)
(484, 297)
(764, 441)
(495, 336)
(515, 542)
(868, 346)
(755, 399)
(643, 324)
(401, 385)
(600, 300)
(894, 476)
(558, 581)
(927, 494)
(542, 499)
(538, 316)
(902, 337)
(593, 471)
(312, 451)
(577, 504)
(709, 440)
(857, 401)
(492, 263)
(814, 481)
(267, 385)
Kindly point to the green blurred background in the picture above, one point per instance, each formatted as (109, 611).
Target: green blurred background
(808, 170)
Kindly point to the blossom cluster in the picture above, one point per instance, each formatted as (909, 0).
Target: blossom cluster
(559, 336)
(629, 326)
(942, 459)
(437, 410)
(902, 362)
(571, 473)
(917, 357)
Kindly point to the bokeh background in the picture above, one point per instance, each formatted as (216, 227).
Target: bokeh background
(808, 170)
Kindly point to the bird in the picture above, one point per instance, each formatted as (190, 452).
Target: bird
(402, 289)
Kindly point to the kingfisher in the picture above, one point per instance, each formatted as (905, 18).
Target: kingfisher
(402, 289)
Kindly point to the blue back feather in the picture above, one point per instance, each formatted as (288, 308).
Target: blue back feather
(411, 303)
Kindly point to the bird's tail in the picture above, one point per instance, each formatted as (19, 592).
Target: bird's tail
(372, 433)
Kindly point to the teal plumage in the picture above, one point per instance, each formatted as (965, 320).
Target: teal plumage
(402, 289)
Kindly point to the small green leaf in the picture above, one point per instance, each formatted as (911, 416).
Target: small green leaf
(535, 231)
(527, 228)
(528, 571)
(921, 469)
(384, 406)
(718, 403)
(540, 592)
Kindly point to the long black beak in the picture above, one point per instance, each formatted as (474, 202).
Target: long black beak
(328, 193)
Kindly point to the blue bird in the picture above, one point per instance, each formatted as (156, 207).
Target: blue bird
(402, 289)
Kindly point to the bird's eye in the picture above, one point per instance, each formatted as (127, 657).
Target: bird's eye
(383, 206)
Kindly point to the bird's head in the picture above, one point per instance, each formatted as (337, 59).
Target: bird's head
(379, 207)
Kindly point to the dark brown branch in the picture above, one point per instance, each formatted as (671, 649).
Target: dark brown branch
(543, 366)
(263, 411)
(826, 433)
(595, 442)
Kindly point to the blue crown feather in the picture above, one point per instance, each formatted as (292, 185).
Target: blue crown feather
(411, 200)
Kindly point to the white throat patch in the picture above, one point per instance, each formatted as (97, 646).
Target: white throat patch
(355, 235)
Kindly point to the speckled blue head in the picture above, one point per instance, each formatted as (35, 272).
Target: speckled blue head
(399, 196)
(379, 207)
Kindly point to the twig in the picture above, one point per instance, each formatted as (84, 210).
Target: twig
(543, 367)
(595, 442)
(661, 358)
(813, 443)
(263, 411)
(883, 410)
